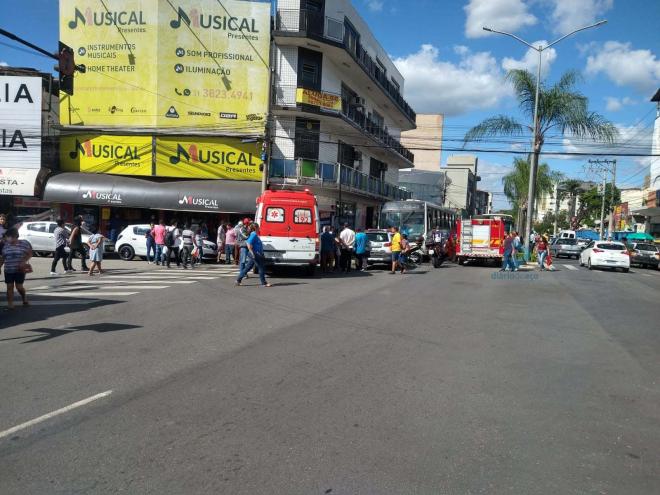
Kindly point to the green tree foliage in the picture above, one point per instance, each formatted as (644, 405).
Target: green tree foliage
(590, 205)
(562, 110)
(548, 222)
(516, 183)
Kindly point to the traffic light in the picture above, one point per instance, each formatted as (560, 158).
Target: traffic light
(66, 68)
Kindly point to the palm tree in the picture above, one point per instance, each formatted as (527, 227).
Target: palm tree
(562, 109)
(516, 184)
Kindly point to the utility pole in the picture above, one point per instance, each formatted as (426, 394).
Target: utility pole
(602, 209)
(602, 167)
(610, 228)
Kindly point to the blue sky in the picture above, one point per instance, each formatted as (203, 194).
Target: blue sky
(453, 67)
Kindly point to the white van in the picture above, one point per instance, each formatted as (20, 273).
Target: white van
(567, 234)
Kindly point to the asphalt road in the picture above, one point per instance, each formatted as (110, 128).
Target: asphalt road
(447, 381)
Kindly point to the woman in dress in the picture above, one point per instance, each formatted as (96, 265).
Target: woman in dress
(15, 255)
(95, 244)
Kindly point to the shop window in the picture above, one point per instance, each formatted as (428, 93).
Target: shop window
(274, 215)
(302, 215)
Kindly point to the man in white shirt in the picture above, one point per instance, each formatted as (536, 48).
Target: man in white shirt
(347, 238)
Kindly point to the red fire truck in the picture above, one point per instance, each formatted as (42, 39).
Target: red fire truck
(482, 237)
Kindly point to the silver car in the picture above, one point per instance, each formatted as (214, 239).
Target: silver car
(41, 236)
(566, 247)
(380, 247)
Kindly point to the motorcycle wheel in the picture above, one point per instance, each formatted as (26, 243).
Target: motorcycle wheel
(416, 258)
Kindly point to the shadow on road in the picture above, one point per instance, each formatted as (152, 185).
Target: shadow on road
(52, 333)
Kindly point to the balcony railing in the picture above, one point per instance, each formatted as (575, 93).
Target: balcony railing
(335, 176)
(287, 96)
(315, 25)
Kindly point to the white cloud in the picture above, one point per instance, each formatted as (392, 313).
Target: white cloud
(375, 5)
(614, 104)
(491, 180)
(625, 66)
(503, 15)
(437, 86)
(568, 15)
(4, 64)
(531, 59)
(634, 139)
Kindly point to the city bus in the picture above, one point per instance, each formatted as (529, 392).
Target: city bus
(417, 218)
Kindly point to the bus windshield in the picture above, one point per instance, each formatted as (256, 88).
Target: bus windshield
(410, 223)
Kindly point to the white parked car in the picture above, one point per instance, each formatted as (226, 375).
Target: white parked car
(41, 236)
(132, 242)
(605, 254)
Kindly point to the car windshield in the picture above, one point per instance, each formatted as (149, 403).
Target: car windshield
(647, 247)
(377, 236)
(611, 246)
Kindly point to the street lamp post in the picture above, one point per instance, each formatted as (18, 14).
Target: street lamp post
(531, 191)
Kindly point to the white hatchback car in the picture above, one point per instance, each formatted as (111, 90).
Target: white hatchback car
(132, 242)
(605, 254)
(41, 236)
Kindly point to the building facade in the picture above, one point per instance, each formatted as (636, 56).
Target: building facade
(337, 111)
(462, 178)
(484, 203)
(424, 185)
(426, 141)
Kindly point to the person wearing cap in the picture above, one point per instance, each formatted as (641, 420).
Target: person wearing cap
(242, 233)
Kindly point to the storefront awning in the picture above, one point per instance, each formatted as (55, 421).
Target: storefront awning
(221, 196)
(648, 212)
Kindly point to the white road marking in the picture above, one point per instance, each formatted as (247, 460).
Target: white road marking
(571, 267)
(141, 282)
(86, 294)
(119, 287)
(45, 417)
(148, 277)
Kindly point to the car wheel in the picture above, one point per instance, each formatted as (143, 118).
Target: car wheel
(589, 264)
(625, 270)
(461, 261)
(126, 252)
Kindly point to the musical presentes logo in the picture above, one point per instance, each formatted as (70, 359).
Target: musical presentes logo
(190, 200)
(197, 19)
(108, 197)
(107, 18)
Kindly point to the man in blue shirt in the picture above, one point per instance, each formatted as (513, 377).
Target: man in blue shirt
(361, 250)
(254, 256)
(327, 249)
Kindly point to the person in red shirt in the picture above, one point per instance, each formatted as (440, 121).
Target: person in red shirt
(542, 251)
(158, 233)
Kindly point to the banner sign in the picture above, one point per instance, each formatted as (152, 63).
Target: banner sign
(327, 101)
(178, 64)
(18, 181)
(208, 158)
(20, 133)
(120, 155)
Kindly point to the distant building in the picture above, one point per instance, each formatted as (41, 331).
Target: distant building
(424, 185)
(462, 178)
(425, 141)
(484, 203)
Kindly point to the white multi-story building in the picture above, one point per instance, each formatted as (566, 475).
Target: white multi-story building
(338, 111)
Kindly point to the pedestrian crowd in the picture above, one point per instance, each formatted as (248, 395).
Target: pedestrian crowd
(538, 247)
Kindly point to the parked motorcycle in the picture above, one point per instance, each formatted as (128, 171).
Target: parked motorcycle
(438, 254)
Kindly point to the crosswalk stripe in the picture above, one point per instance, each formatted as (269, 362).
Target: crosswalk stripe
(86, 294)
(119, 287)
(106, 281)
(140, 277)
(570, 267)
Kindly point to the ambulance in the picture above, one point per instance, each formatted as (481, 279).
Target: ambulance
(289, 228)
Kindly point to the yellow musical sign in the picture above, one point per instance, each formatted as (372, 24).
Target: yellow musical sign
(208, 158)
(179, 64)
(120, 155)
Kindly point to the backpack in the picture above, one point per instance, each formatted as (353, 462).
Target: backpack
(169, 238)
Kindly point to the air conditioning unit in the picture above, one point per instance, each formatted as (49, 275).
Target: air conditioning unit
(358, 101)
